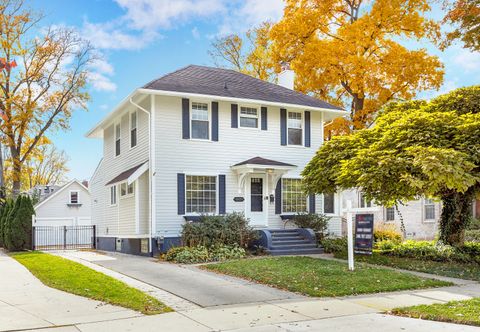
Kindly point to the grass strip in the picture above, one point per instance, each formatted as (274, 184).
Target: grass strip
(75, 278)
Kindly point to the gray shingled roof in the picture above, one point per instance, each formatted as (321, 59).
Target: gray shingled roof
(124, 175)
(230, 83)
(263, 162)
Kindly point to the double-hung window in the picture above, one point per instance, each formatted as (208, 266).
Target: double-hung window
(329, 203)
(126, 190)
(201, 194)
(74, 197)
(390, 214)
(294, 125)
(117, 139)
(113, 195)
(364, 202)
(133, 129)
(200, 121)
(294, 199)
(429, 206)
(248, 117)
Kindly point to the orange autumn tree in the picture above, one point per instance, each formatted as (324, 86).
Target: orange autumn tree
(465, 16)
(48, 84)
(349, 53)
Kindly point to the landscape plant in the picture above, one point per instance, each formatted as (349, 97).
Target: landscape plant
(415, 149)
(202, 254)
(17, 224)
(314, 221)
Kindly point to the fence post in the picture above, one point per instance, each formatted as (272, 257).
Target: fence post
(64, 237)
(33, 237)
(94, 237)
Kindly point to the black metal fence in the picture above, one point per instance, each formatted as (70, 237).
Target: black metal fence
(63, 237)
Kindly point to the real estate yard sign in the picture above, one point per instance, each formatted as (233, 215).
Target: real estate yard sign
(363, 234)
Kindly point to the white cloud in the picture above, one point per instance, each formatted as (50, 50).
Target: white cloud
(99, 75)
(195, 33)
(467, 60)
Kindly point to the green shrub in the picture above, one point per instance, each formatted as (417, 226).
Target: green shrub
(202, 254)
(317, 222)
(17, 227)
(472, 235)
(230, 229)
(474, 224)
(4, 212)
(385, 245)
(334, 244)
(387, 232)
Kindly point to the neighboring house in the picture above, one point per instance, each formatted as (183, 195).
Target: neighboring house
(419, 217)
(42, 191)
(69, 205)
(206, 140)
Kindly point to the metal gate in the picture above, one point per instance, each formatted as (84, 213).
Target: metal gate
(63, 237)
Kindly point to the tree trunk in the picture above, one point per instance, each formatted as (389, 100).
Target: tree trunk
(357, 116)
(456, 214)
(16, 172)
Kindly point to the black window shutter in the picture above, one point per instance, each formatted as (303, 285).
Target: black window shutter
(221, 194)
(307, 129)
(263, 115)
(283, 126)
(185, 118)
(181, 193)
(278, 197)
(214, 121)
(234, 116)
(311, 203)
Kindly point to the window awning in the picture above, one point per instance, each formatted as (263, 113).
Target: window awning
(130, 175)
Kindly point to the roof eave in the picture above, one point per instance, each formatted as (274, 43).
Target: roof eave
(240, 100)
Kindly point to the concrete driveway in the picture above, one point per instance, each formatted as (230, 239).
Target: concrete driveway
(201, 287)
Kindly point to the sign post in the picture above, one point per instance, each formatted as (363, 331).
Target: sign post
(351, 266)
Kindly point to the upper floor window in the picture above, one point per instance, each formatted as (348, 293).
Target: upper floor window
(74, 197)
(293, 196)
(200, 121)
(390, 214)
(248, 117)
(364, 202)
(329, 203)
(133, 129)
(113, 195)
(201, 194)
(126, 190)
(429, 206)
(117, 139)
(294, 125)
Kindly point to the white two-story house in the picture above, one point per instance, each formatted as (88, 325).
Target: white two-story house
(205, 140)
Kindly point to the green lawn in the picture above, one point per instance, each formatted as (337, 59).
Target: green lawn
(460, 312)
(319, 277)
(447, 269)
(63, 274)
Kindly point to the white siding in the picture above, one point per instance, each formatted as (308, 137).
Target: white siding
(56, 211)
(176, 155)
(120, 219)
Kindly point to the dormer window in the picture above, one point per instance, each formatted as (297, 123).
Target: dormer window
(117, 139)
(294, 125)
(200, 121)
(248, 117)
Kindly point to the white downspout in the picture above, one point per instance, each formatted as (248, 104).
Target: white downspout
(150, 168)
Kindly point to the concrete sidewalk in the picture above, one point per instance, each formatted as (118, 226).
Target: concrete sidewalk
(27, 303)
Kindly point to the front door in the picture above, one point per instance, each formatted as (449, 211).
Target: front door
(256, 207)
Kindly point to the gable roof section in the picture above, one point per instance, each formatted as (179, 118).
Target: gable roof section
(49, 197)
(229, 83)
(124, 175)
(263, 162)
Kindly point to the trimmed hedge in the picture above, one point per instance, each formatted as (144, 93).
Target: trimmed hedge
(202, 254)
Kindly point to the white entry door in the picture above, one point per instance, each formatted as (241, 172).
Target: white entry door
(255, 203)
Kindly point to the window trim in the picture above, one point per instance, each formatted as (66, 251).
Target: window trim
(130, 128)
(424, 212)
(114, 187)
(70, 197)
(209, 112)
(335, 207)
(216, 194)
(302, 136)
(115, 124)
(307, 203)
(386, 214)
(258, 117)
(127, 195)
(362, 200)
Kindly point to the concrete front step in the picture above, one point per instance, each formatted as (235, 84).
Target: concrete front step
(293, 246)
(296, 252)
(288, 238)
(289, 234)
(287, 242)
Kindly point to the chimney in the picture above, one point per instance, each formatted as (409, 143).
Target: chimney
(85, 183)
(286, 78)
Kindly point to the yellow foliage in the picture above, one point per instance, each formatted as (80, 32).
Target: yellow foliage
(347, 51)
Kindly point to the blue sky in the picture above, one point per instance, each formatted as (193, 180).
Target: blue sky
(140, 40)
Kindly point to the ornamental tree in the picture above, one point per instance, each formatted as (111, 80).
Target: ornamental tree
(415, 149)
